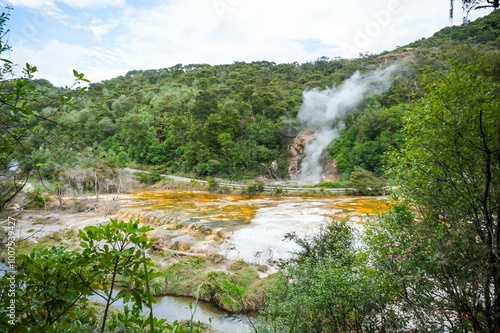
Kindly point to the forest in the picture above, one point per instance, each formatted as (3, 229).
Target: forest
(228, 120)
(430, 264)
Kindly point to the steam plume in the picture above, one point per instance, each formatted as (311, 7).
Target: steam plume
(322, 112)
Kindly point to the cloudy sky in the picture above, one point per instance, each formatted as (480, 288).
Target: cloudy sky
(107, 38)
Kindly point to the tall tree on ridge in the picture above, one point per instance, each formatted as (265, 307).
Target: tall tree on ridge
(470, 5)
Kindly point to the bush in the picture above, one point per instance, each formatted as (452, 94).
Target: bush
(147, 177)
(36, 199)
(255, 188)
(330, 286)
(122, 159)
(365, 183)
(213, 185)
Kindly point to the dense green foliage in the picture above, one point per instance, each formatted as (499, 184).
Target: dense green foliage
(233, 120)
(446, 256)
(330, 287)
(199, 119)
(52, 286)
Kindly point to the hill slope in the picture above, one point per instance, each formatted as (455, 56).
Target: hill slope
(234, 120)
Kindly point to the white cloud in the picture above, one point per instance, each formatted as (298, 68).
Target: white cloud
(226, 31)
(92, 3)
(30, 3)
(46, 7)
(38, 4)
(98, 27)
(163, 34)
(56, 61)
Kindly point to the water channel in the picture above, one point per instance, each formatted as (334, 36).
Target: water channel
(177, 308)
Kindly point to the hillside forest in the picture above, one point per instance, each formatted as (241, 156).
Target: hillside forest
(430, 264)
(229, 120)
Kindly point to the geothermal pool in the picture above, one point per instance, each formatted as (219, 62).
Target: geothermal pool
(241, 227)
(262, 241)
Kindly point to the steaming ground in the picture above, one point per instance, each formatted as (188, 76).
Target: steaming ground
(323, 111)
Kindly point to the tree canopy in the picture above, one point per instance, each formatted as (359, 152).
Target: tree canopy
(470, 5)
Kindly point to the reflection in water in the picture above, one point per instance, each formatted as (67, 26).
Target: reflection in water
(174, 308)
(177, 308)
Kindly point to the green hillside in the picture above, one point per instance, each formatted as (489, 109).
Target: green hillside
(230, 120)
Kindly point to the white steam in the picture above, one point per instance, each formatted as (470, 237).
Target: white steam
(322, 112)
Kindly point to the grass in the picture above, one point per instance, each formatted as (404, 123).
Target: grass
(239, 289)
(238, 265)
(228, 290)
(183, 277)
(255, 294)
(43, 220)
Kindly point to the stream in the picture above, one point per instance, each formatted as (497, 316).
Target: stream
(177, 308)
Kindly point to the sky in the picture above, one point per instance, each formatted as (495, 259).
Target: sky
(107, 38)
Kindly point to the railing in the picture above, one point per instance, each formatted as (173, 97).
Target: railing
(269, 188)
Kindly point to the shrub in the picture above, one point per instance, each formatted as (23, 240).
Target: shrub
(212, 185)
(255, 188)
(366, 183)
(147, 177)
(36, 199)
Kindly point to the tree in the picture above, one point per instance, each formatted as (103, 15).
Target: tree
(49, 291)
(114, 254)
(16, 113)
(329, 287)
(365, 183)
(13, 112)
(469, 5)
(443, 248)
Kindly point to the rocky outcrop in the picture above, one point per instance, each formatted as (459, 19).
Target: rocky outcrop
(330, 171)
(182, 234)
(296, 151)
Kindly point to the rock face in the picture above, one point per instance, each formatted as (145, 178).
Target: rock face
(296, 150)
(330, 171)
